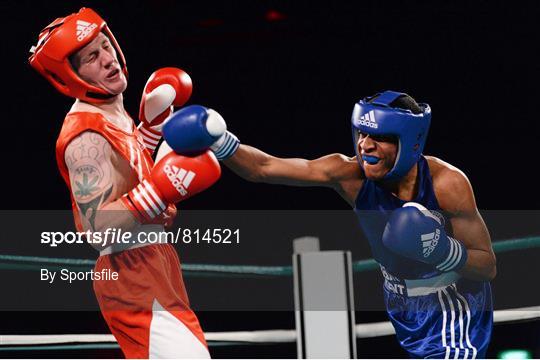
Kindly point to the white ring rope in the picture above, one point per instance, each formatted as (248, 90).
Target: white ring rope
(368, 330)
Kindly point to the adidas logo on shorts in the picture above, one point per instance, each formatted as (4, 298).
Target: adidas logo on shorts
(369, 120)
(179, 178)
(430, 241)
(83, 29)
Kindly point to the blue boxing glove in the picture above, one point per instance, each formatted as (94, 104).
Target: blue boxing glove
(414, 232)
(195, 129)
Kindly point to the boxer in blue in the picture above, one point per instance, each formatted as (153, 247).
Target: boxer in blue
(418, 213)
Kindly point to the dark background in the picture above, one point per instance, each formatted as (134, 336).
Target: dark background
(285, 76)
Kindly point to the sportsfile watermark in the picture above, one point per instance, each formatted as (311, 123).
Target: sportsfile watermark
(42, 251)
(117, 236)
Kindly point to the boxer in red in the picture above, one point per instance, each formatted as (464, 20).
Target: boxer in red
(107, 164)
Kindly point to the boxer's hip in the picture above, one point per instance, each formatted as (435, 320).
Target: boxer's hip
(144, 274)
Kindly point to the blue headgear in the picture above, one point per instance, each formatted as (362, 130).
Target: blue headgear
(378, 118)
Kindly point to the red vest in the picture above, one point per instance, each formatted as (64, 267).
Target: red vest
(129, 146)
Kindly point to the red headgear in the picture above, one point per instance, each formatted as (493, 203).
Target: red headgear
(61, 39)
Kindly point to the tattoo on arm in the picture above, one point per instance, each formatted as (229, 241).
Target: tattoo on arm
(89, 209)
(88, 158)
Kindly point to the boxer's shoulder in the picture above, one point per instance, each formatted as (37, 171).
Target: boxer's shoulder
(74, 125)
(342, 168)
(83, 107)
(80, 121)
(451, 185)
(87, 144)
(347, 176)
(81, 111)
(91, 115)
(444, 173)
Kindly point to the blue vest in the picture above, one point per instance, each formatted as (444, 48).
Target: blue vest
(434, 314)
(373, 207)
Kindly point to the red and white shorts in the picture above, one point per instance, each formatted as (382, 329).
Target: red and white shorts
(147, 308)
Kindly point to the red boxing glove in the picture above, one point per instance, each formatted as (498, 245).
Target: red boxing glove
(173, 179)
(166, 87)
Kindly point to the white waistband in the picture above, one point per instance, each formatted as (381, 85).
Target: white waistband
(115, 248)
(421, 287)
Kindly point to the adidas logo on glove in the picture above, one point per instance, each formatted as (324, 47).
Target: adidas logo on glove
(369, 120)
(84, 29)
(179, 178)
(430, 241)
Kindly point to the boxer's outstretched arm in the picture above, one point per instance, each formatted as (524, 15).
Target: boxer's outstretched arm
(456, 198)
(196, 127)
(255, 165)
(89, 158)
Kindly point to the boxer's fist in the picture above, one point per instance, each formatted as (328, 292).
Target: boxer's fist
(166, 88)
(179, 177)
(193, 129)
(173, 179)
(414, 232)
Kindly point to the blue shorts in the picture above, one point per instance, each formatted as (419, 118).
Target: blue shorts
(454, 322)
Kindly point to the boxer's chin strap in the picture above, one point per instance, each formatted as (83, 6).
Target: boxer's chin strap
(98, 96)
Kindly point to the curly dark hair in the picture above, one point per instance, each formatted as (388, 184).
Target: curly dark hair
(405, 102)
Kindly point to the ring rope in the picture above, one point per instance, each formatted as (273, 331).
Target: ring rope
(103, 341)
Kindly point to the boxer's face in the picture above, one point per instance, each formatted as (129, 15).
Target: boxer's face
(97, 64)
(382, 147)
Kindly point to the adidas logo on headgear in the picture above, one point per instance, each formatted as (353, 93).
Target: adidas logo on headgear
(84, 28)
(368, 120)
